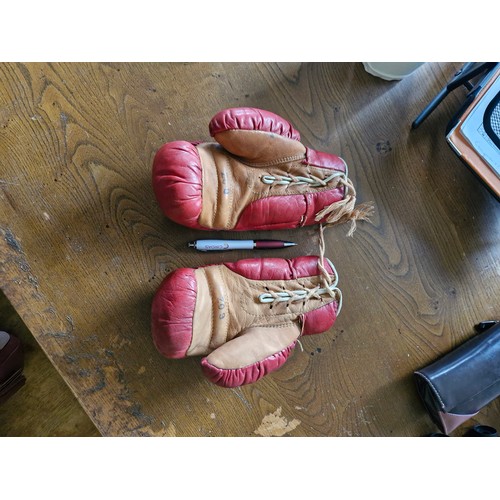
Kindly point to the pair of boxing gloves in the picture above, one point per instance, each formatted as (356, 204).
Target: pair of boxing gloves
(244, 318)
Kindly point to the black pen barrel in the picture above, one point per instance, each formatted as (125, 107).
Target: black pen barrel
(430, 107)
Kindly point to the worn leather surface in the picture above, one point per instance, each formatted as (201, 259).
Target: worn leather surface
(232, 375)
(251, 119)
(463, 381)
(177, 182)
(172, 313)
(218, 185)
(214, 311)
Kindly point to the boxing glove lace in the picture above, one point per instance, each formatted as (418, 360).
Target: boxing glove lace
(256, 176)
(245, 317)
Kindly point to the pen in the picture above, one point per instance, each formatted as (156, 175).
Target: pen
(219, 245)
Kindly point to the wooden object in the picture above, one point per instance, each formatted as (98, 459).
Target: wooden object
(83, 245)
(44, 406)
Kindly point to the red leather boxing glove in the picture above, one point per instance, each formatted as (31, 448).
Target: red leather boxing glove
(257, 175)
(245, 317)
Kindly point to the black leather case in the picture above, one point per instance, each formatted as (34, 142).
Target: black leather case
(455, 387)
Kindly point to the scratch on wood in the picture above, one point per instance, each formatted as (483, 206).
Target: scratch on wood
(101, 382)
(71, 323)
(69, 359)
(12, 242)
(57, 335)
(23, 265)
(136, 411)
(99, 371)
(32, 279)
(21, 262)
(67, 334)
(10, 199)
(276, 425)
(238, 393)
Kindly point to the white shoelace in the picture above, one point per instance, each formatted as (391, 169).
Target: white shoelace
(337, 212)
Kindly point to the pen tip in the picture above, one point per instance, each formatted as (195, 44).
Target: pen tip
(290, 244)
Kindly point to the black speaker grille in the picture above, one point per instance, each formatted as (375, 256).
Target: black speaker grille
(492, 120)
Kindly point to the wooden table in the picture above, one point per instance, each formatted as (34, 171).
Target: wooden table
(84, 246)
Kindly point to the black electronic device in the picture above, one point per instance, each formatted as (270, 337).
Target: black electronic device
(473, 132)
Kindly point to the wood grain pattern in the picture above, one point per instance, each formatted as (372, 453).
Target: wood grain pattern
(83, 245)
(44, 406)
